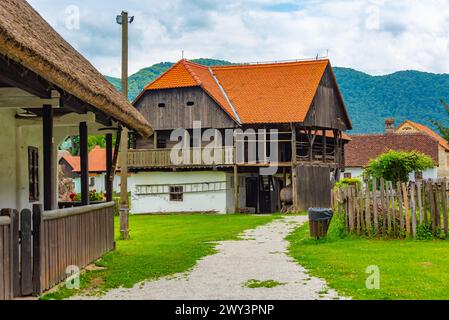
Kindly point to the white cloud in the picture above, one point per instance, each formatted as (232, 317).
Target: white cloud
(375, 36)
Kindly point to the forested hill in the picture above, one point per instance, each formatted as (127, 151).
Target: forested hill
(370, 100)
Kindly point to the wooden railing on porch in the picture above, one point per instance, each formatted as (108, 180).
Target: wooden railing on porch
(161, 158)
(73, 237)
(37, 248)
(6, 259)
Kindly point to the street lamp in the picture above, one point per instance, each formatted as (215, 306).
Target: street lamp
(124, 21)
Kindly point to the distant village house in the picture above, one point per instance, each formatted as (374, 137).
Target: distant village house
(408, 136)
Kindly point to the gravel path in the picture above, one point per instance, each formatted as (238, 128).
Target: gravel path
(261, 255)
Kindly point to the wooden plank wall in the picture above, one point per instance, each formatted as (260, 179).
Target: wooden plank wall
(6, 285)
(73, 240)
(314, 187)
(176, 113)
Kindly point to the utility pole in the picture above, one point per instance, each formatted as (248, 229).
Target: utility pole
(124, 21)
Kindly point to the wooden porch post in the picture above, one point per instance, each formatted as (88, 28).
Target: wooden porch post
(84, 160)
(324, 146)
(49, 191)
(236, 177)
(155, 139)
(109, 176)
(294, 165)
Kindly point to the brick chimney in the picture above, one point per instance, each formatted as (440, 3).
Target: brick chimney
(389, 125)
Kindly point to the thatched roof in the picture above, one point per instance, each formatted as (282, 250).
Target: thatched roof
(28, 39)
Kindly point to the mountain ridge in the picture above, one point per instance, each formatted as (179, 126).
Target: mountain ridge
(370, 99)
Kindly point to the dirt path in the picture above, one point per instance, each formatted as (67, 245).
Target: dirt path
(261, 255)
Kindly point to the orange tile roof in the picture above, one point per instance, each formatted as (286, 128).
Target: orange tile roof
(424, 129)
(272, 93)
(97, 161)
(257, 93)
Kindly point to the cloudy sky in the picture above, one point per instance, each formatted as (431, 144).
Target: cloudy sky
(374, 36)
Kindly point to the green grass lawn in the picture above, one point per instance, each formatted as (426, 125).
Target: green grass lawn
(408, 269)
(161, 245)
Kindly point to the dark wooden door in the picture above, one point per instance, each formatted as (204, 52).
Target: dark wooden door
(265, 194)
(252, 193)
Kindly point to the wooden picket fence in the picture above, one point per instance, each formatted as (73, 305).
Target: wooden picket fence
(396, 210)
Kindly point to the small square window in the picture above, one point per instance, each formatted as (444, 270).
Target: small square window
(190, 103)
(177, 194)
(348, 175)
(161, 105)
(92, 182)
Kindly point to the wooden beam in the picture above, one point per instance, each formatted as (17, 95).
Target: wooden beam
(16, 75)
(324, 146)
(19, 98)
(236, 189)
(48, 143)
(155, 139)
(109, 159)
(84, 160)
(294, 164)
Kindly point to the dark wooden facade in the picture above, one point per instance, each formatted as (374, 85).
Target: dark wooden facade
(169, 109)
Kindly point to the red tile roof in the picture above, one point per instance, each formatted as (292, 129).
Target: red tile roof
(250, 94)
(363, 148)
(426, 130)
(97, 161)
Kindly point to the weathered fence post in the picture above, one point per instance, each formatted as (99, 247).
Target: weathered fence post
(384, 205)
(375, 209)
(444, 196)
(392, 215)
(15, 242)
(26, 282)
(413, 206)
(400, 204)
(431, 202)
(37, 248)
(406, 209)
(351, 209)
(420, 202)
(367, 207)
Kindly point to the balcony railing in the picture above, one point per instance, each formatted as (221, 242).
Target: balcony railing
(192, 157)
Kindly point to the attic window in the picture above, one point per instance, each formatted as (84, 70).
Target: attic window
(190, 104)
(161, 105)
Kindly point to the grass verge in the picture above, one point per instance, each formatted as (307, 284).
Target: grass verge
(409, 270)
(160, 246)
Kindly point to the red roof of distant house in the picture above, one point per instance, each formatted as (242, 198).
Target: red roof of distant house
(97, 160)
(73, 161)
(363, 148)
(426, 130)
(253, 93)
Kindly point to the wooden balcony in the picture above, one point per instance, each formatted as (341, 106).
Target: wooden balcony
(188, 158)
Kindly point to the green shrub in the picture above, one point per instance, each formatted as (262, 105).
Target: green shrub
(348, 182)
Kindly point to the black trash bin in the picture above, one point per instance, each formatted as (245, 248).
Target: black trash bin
(319, 221)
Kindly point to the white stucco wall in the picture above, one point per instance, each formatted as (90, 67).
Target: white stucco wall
(358, 173)
(100, 185)
(211, 201)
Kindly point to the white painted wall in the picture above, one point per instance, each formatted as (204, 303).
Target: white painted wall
(100, 185)
(357, 172)
(214, 201)
(15, 138)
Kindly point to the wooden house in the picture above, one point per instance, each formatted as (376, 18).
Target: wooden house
(49, 91)
(300, 100)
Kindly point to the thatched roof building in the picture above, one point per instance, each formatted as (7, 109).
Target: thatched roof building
(26, 38)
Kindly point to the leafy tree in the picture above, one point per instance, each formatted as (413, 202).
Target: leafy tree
(444, 130)
(92, 142)
(397, 165)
